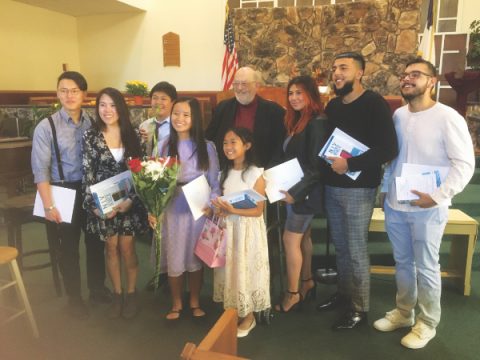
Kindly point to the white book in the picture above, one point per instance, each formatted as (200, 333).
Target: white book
(282, 177)
(197, 192)
(245, 199)
(64, 200)
(340, 144)
(112, 191)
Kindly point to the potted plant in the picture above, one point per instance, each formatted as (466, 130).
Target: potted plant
(473, 55)
(138, 89)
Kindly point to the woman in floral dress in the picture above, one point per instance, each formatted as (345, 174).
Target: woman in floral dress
(107, 145)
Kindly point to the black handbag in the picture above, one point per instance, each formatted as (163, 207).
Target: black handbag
(313, 203)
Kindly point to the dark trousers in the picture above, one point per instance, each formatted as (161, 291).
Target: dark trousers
(65, 239)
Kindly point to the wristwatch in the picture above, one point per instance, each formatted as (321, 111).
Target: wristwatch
(50, 208)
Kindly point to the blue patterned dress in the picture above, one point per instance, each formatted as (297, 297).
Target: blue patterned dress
(180, 231)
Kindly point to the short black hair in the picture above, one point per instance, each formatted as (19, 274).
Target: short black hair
(419, 60)
(76, 77)
(357, 57)
(166, 88)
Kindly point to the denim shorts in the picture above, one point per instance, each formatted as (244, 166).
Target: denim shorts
(297, 223)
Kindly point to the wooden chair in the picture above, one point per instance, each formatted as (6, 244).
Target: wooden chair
(8, 255)
(220, 342)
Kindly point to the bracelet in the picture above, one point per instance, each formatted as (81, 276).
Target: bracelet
(50, 208)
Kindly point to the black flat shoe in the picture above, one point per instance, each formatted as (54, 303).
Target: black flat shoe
(351, 320)
(333, 302)
(297, 306)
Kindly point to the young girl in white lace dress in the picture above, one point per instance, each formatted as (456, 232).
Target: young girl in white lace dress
(244, 282)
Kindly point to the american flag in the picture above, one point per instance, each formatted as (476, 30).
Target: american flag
(230, 61)
(426, 49)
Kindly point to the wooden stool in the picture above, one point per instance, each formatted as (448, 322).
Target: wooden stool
(18, 211)
(8, 255)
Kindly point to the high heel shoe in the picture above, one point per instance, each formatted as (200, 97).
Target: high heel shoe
(311, 293)
(297, 306)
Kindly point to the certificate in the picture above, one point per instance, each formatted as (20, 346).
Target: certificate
(425, 183)
(282, 177)
(64, 200)
(197, 192)
(111, 192)
(423, 178)
(340, 144)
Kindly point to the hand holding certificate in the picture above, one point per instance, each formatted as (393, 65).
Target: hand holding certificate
(64, 200)
(246, 199)
(282, 177)
(340, 144)
(422, 178)
(112, 191)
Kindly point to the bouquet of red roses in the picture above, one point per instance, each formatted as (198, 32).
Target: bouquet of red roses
(155, 180)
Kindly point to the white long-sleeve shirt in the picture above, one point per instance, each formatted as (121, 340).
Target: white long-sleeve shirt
(437, 136)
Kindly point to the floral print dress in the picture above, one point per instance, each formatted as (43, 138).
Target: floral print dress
(98, 165)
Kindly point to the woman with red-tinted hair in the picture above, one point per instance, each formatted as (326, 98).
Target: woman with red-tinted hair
(305, 138)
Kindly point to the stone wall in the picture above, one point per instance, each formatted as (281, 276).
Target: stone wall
(284, 42)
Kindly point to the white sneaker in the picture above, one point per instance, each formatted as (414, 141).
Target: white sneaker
(420, 335)
(242, 333)
(393, 320)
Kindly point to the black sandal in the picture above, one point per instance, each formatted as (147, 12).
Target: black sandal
(297, 306)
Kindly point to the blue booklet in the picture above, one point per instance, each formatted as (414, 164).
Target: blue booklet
(246, 199)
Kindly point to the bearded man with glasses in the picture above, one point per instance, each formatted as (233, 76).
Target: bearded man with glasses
(435, 136)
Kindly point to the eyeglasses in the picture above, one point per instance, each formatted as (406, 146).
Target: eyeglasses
(412, 75)
(73, 92)
(238, 84)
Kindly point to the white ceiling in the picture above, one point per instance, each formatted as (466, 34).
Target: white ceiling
(84, 7)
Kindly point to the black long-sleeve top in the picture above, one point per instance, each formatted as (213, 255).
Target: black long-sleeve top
(368, 119)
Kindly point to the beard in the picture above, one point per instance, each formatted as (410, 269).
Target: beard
(417, 92)
(345, 90)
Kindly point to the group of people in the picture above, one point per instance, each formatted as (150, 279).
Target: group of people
(246, 135)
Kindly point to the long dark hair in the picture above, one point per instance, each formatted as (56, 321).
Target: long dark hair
(196, 133)
(296, 121)
(129, 138)
(246, 136)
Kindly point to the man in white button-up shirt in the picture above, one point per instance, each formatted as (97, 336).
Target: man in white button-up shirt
(431, 134)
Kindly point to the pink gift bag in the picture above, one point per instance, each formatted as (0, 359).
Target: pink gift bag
(211, 246)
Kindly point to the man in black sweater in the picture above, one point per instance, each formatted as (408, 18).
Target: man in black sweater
(365, 116)
(263, 117)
